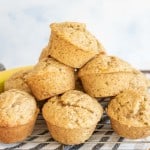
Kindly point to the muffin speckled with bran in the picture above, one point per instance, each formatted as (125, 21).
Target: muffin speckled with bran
(129, 113)
(72, 117)
(18, 113)
(106, 76)
(72, 44)
(49, 78)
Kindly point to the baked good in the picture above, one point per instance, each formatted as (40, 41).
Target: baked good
(106, 76)
(129, 113)
(17, 81)
(18, 113)
(49, 78)
(72, 117)
(71, 44)
(44, 53)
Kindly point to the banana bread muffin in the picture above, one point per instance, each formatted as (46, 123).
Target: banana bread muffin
(49, 78)
(129, 113)
(72, 44)
(72, 117)
(18, 113)
(17, 81)
(106, 76)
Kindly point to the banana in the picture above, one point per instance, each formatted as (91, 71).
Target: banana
(4, 75)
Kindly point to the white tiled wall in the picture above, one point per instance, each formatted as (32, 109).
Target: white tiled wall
(123, 26)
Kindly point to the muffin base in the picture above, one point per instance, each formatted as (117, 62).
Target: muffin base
(129, 131)
(18, 133)
(70, 136)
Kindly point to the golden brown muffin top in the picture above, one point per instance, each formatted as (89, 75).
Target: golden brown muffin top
(76, 34)
(17, 81)
(16, 108)
(131, 108)
(105, 64)
(74, 109)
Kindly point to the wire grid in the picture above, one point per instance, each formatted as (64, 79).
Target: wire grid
(103, 137)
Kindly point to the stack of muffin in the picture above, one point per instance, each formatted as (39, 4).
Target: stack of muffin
(71, 111)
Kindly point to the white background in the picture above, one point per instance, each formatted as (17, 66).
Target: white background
(123, 26)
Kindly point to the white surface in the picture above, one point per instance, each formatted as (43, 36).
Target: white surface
(123, 26)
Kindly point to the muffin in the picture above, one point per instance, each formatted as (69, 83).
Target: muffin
(44, 53)
(106, 76)
(72, 117)
(18, 113)
(71, 44)
(49, 78)
(17, 81)
(129, 113)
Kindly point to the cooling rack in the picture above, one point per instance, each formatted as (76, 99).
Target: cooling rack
(103, 138)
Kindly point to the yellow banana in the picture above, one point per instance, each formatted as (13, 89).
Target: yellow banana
(4, 75)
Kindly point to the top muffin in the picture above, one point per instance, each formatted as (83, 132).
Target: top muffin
(72, 44)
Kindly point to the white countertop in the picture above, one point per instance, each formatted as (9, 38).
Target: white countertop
(122, 26)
